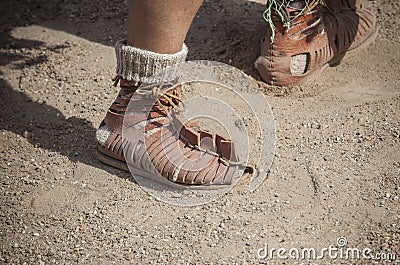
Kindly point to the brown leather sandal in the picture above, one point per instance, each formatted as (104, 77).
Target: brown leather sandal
(318, 37)
(160, 146)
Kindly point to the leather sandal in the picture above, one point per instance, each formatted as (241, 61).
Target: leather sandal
(158, 145)
(315, 37)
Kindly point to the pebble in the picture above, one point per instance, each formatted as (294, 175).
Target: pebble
(27, 134)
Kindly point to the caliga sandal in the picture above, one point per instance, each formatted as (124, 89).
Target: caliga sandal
(158, 145)
(305, 37)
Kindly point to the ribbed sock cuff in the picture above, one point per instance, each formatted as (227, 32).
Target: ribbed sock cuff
(136, 65)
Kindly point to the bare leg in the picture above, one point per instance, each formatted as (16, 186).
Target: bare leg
(156, 32)
(160, 25)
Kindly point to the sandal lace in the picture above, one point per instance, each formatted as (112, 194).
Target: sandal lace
(161, 91)
(279, 8)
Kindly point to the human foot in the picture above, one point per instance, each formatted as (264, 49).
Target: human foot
(150, 139)
(316, 36)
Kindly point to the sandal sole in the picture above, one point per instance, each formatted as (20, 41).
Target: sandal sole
(111, 161)
(124, 166)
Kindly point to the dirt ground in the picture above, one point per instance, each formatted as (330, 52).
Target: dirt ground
(335, 174)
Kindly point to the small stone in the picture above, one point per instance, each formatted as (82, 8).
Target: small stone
(27, 134)
(35, 234)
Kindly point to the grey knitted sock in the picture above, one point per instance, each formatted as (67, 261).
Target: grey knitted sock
(135, 64)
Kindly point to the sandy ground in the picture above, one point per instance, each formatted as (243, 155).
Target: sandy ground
(336, 170)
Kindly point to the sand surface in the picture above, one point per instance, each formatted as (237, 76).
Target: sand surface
(335, 173)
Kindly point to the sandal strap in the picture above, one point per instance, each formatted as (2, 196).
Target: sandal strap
(341, 5)
(189, 156)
